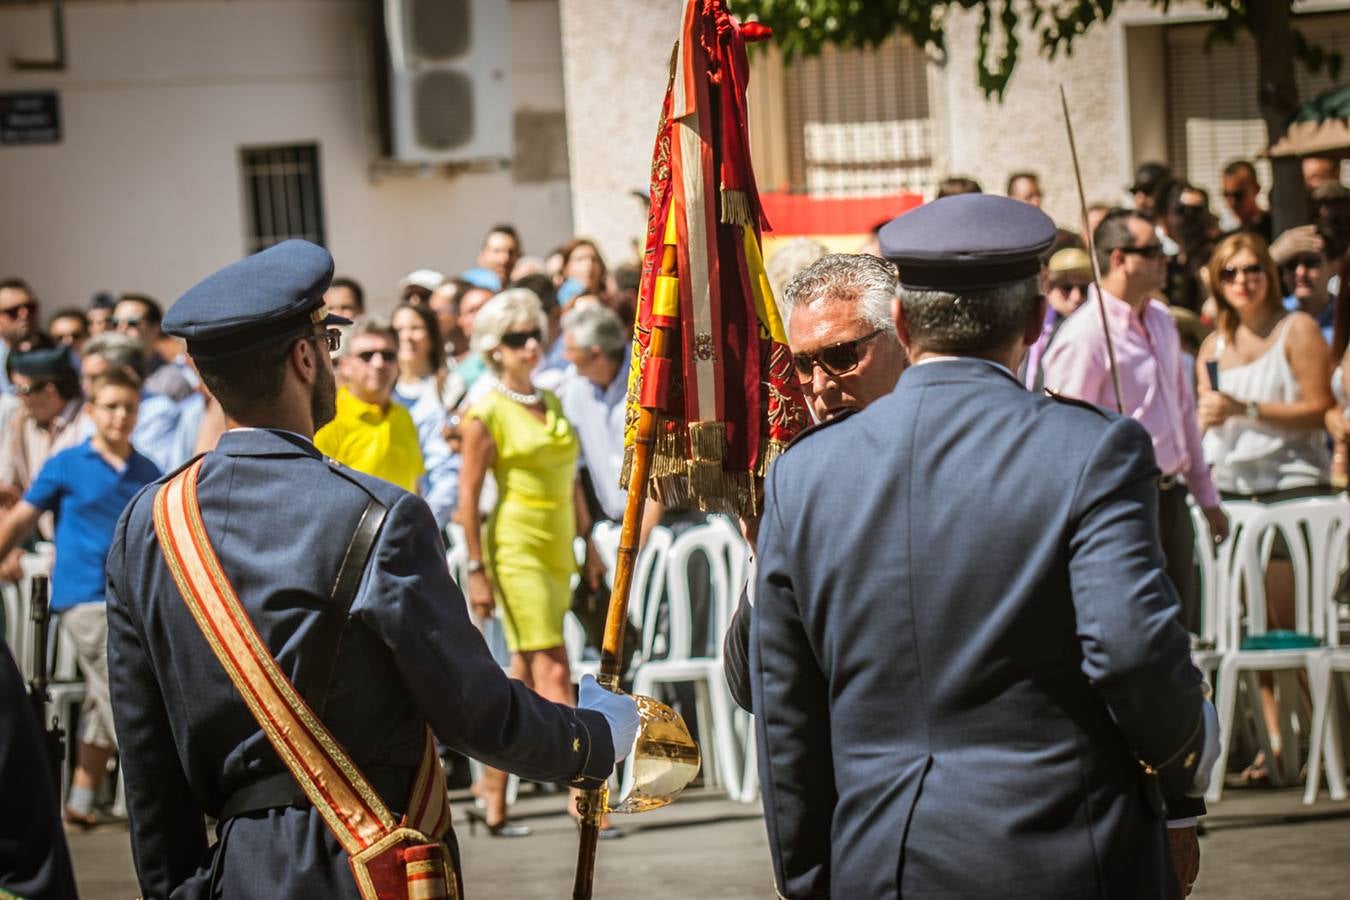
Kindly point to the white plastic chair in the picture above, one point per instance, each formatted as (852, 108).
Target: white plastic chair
(1325, 748)
(713, 703)
(1216, 565)
(1313, 530)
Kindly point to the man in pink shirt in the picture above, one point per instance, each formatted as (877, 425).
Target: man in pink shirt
(1154, 382)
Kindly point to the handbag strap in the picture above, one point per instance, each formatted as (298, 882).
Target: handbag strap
(349, 805)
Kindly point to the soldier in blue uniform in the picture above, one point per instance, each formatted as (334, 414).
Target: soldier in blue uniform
(282, 519)
(968, 673)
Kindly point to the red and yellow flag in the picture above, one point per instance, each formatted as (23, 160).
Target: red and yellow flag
(729, 403)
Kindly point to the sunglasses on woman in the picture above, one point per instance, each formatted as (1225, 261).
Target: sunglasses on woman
(1230, 273)
(517, 340)
(836, 359)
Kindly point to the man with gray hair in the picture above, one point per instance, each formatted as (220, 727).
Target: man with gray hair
(844, 346)
(593, 393)
(846, 355)
(958, 664)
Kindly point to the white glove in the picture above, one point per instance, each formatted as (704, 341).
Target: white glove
(1209, 755)
(619, 710)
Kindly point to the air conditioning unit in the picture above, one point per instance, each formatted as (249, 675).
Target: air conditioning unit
(449, 84)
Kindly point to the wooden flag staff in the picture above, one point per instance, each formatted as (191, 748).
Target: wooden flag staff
(655, 382)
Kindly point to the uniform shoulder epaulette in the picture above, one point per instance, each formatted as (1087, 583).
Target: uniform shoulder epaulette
(834, 420)
(349, 475)
(1074, 401)
(168, 476)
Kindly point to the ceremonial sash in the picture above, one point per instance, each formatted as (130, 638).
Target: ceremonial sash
(390, 860)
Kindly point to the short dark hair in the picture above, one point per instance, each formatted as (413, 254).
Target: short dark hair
(17, 284)
(153, 311)
(247, 383)
(1113, 233)
(1018, 176)
(970, 322)
(542, 286)
(1237, 166)
(958, 184)
(69, 312)
(114, 377)
(502, 228)
(351, 284)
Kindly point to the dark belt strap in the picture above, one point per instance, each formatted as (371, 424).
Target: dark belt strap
(318, 675)
(281, 790)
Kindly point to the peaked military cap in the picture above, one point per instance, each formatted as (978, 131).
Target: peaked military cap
(967, 242)
(260, 300)
(47, 362)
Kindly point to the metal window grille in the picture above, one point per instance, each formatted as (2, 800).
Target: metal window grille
(858, 122)
(1213, 114)
(282, 193)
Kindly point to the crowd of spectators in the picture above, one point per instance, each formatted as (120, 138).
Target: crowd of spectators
(496, 389)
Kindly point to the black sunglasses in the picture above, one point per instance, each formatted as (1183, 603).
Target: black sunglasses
(1230, 273)
(1306, 260)
(517, 340)
(1148, 251)
(836, 359)
(388, 356)
(12, 312)
(129, 323)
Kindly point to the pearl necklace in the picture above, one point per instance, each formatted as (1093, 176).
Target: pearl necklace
(531, 399)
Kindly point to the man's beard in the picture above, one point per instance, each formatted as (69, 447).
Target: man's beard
(323, 398)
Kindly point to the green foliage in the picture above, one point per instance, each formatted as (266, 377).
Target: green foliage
(803, 27)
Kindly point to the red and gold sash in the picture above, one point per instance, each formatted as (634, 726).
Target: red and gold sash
(407, 859)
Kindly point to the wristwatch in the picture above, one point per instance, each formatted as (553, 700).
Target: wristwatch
(473, 565)
(1253, 410)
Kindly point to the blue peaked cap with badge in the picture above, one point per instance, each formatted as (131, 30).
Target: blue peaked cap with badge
(258, 301)
(967, 242)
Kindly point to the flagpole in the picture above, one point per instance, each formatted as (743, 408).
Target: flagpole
(656, 378)
(1092, 256)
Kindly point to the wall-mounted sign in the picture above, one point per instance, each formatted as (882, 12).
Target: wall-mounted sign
(30, 117)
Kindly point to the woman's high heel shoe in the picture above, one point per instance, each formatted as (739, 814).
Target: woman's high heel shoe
(504, 828)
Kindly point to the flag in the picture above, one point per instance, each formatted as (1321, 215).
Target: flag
(728, 400)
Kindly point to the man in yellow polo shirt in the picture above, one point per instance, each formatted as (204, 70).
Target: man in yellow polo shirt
(371, 433)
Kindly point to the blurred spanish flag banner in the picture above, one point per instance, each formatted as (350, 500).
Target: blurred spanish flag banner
(727, 397)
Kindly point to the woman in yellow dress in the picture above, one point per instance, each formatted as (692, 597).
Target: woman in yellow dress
(521, 560)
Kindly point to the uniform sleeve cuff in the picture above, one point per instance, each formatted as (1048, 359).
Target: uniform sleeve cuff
(1188, 822)
(594, 749)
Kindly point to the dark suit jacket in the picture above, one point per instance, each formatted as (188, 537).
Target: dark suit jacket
(280, 518)
(959, 650)
(34, 862)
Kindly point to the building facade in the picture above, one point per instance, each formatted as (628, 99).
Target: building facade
(194, 131)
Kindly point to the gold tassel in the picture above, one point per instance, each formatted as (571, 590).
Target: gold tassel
(768, 452)
(736, 208)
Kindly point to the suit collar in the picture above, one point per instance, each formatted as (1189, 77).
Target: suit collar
(265, 442)
(957, 369)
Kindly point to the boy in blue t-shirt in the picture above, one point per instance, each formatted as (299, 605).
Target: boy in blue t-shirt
(87, 487)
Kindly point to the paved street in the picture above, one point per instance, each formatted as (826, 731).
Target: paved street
(1261, 844)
